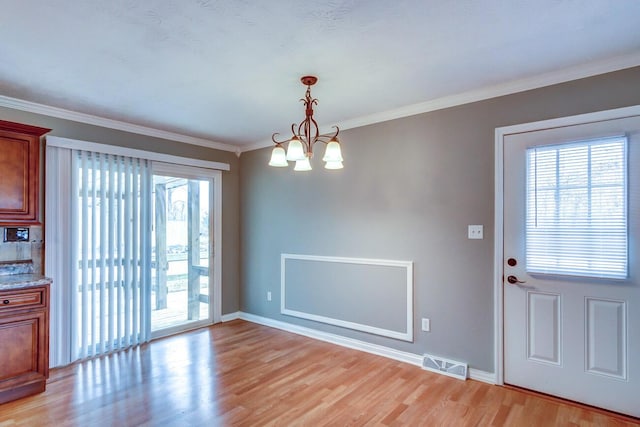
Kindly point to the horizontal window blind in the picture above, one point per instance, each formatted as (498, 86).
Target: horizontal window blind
(577, 208)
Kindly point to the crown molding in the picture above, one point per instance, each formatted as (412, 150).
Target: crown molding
(60, 113)
(488, 92)
(507, 88)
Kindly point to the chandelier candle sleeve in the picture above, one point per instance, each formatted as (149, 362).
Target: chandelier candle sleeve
(304, 137)
(295, 151)
(303, 165)
(278, 157)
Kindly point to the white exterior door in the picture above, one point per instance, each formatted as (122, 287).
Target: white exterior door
(572, 248)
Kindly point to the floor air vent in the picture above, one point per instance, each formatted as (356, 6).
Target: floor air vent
(445, 366)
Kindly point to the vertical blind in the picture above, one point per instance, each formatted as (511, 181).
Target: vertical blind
(111, 250)
(577, 208)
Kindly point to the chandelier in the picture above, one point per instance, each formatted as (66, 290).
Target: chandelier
(300, 147)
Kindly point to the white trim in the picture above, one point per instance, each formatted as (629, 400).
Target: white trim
(402, 356)
(482, 376)
(230, 316)
(488, 92)
(507, 88)
(498, 241)
(500, 134)
(214, 177)
(379, 350)
(32, 107)
(408, 265)
(216, 248)
(58, 265)
(597, 116)
(366, 261)
(116, 150)
(185, 171)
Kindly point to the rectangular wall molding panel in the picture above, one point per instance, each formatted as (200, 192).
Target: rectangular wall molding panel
(368, 295)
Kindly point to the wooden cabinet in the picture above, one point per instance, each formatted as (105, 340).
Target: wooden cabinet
(19, 173)
(24, 342)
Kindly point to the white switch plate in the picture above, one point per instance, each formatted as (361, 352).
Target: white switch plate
(426, 325)
(476, 232)
(268, 295)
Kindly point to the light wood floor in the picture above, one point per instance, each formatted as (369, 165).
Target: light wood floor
(243, 374)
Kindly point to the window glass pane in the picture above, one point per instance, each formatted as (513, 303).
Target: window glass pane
(607, 165)
(576, 209)
(573, 166)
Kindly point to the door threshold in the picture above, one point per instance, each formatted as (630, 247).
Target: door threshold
(573, 403)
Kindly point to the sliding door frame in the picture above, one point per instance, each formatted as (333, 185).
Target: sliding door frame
(215, 240)
(58, 228)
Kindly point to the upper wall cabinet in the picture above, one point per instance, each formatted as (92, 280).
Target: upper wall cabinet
(19, 173)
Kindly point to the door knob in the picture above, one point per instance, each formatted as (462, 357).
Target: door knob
(514, 280)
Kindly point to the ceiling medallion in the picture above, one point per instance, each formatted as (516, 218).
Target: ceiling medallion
(300, 145)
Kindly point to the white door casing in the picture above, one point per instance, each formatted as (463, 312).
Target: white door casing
(568, 337)
(214, 177)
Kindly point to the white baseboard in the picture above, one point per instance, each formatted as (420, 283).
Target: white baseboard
(402, 356)
(483, 376)
(230, 316)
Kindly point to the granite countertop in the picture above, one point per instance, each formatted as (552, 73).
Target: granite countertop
(19, 275)
(20, 281)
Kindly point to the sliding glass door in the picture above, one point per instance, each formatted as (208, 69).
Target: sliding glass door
(181, 249)
(142, 250)
(133, 246)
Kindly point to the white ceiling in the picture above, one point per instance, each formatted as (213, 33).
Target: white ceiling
(228, 71)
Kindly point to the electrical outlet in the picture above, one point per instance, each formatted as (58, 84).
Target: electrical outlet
(268, 295)
(426, 325)
(476, 232)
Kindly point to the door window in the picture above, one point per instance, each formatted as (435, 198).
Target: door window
(576, 216)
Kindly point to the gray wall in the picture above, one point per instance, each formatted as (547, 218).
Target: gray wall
(408, 191)
(335, 290)
(230, 181)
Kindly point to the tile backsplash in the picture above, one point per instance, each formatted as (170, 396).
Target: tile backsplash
(19, 251)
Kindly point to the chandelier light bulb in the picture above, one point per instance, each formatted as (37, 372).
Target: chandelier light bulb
(295, 151)
(303, 165)
(333, 165)
(278, 157)
(333, 153)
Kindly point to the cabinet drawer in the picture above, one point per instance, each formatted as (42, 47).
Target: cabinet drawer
(21, 299)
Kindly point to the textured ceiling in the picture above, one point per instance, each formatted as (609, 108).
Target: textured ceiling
(228, 71)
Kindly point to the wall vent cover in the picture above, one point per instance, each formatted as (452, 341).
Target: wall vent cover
(444, 366)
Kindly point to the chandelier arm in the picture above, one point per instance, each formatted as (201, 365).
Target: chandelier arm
(273, 138)
(326, 138)
(315, 124)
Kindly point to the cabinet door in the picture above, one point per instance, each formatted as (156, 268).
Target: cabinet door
(20, 166)
(23, 359)
(23, 338)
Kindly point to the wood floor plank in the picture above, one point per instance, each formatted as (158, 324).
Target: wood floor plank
(243, 374)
